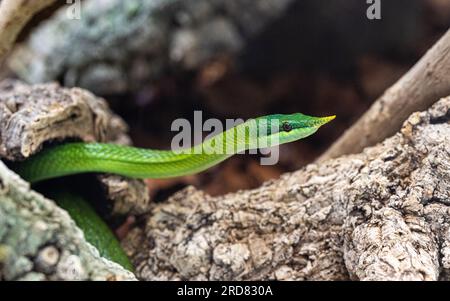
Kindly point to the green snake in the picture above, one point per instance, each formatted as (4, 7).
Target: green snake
(95, 230)
(74, 158)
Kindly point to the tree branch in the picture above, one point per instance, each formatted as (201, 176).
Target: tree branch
(424, 84)
(14, 15)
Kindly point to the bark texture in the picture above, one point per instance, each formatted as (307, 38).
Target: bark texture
(382, 214)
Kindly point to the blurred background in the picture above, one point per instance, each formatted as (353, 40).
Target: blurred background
(158, 60)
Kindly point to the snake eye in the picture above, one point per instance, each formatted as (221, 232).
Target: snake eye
(286, 127)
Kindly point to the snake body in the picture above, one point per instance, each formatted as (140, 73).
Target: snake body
(95, 230)
(73, 158)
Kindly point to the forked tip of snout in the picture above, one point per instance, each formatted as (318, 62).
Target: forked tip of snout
(325, 120)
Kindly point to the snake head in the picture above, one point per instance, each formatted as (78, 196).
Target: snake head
(287, 128)
(298, 121)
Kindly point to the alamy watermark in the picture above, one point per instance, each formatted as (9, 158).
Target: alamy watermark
(73, 11)
(236, 136)
(374, 10)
